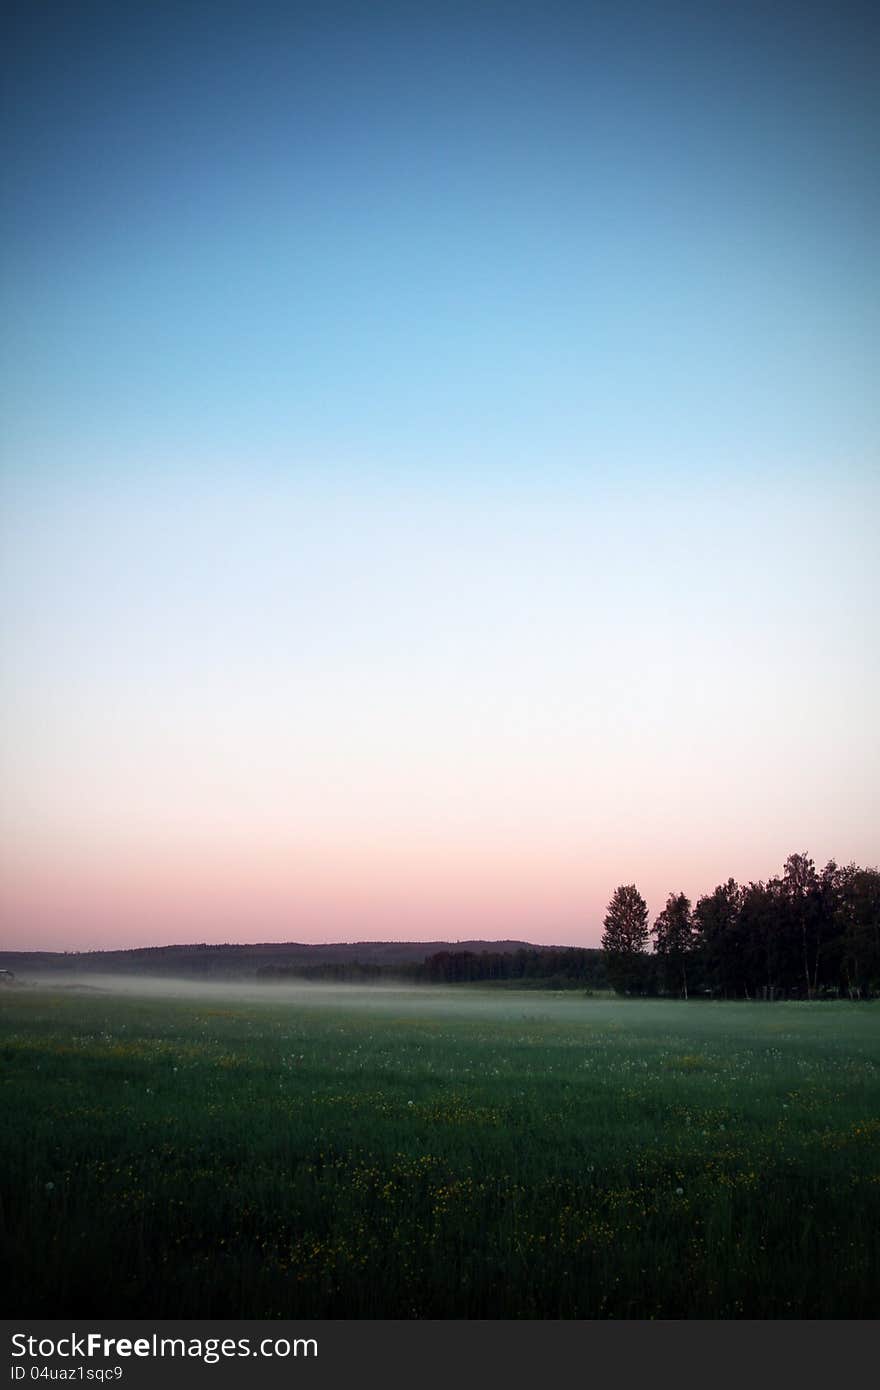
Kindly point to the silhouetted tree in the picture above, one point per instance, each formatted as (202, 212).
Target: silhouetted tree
(858, 922)
(800, 881)
(761, 946)
(625, 937)
(716, 923)
(673, 933)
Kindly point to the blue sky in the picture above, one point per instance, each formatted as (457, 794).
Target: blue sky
(497, 236)
(473, 351)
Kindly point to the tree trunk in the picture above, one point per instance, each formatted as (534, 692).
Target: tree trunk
(806, 960)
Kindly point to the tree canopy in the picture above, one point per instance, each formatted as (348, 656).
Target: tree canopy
(805, 933)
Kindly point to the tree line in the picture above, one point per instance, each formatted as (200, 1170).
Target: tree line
(804, 934)
(540, 967)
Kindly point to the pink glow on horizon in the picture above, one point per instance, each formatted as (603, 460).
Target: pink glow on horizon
(69, 904)
(306, 714)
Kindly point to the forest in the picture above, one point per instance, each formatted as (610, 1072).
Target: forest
(804, 934)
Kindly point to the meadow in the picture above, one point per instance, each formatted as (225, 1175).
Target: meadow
(436, 1153)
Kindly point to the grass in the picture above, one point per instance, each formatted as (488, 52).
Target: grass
(433, 1153)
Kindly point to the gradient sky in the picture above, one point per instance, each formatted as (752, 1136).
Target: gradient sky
(440, 463)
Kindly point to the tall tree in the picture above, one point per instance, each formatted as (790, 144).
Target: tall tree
(801, 882)
(625, 937)
(762, 946)
(673, 933)
(858, 923)
(717, 922)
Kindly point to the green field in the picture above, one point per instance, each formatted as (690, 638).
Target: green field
(437, 1153)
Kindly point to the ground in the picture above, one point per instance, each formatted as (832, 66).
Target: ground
(322, 1152)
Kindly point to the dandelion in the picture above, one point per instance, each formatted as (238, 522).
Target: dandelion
(50, 1187)
(679, 1192)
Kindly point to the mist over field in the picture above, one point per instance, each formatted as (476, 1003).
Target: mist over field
(391, 1000)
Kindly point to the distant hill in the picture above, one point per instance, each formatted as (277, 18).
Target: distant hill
(230, 962)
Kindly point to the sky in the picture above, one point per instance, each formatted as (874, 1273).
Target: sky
(439, 463)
